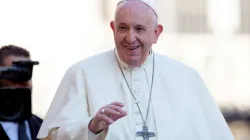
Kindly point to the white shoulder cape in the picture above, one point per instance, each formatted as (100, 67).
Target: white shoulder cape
(183, 107)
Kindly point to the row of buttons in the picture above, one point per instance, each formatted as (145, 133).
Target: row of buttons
(136, 78)
(137, 90)
(138, 118)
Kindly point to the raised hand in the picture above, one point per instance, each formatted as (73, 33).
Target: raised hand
(105, 116)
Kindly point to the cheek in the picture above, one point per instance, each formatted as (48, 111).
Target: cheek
(119, 38)
(147, 44)
(146, 48)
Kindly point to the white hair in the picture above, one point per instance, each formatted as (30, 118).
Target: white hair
(154, 15)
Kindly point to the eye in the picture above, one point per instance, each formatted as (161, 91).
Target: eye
(139, 29)
(122, 28)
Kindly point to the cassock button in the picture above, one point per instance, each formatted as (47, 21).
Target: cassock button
(137, 112)
(136, 79)
(136, 70)
(136, 90)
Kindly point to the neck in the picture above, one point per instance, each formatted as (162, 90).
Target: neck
(144, 63)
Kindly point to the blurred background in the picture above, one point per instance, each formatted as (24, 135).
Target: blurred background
(213, 36)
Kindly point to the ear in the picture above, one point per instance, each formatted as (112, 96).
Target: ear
(158, 32)
(112, 25)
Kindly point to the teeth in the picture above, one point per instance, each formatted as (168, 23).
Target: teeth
(132, 48)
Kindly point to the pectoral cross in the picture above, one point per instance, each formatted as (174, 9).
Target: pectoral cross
(145, 133)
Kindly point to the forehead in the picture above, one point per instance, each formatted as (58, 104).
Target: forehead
(134, 12)
(9, 59)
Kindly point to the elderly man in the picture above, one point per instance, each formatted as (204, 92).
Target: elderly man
(132, 93)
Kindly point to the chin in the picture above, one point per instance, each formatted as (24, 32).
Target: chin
(134, 62)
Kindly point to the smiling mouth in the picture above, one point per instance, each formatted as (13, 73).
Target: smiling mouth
(131, 47)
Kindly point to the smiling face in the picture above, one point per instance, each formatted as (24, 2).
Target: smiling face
(135, 31)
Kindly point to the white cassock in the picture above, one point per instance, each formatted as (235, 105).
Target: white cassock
(181, 106)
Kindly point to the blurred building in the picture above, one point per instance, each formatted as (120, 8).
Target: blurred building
(210, 35)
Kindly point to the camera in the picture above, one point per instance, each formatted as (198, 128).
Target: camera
(15, 102)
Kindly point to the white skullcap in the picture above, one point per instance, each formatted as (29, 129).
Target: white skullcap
(150, 3)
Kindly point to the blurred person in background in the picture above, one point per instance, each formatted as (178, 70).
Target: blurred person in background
(16, 124)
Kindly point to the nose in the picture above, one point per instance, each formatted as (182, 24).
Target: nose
(130, 37)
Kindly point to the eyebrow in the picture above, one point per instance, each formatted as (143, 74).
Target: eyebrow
(137, 25)
(142, 26)
(122, 24)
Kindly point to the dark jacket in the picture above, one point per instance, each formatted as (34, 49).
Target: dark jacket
(34, 123)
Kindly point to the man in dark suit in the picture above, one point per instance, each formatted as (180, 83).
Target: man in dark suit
(27, 129)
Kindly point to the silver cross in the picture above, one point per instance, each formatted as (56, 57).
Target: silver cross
(145, 133)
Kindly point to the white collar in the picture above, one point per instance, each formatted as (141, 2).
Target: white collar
(123, 65)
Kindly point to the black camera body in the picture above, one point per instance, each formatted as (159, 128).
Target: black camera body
(16, 102)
